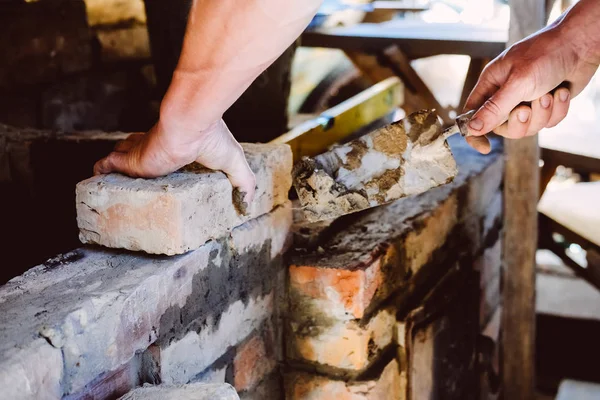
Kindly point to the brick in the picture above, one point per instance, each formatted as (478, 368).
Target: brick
(405, 158)
(179, 212)
(99, 308)
(254, 361)
(30, 372)
(484, 189)
(344, 270)
(342, 344)
(345, 285)
(490, 300)
(110, 385)
(494, 213)
(185, 358)
(389, 385)
(192, 391)
(270, 388)
(490, 264)
(42, 41)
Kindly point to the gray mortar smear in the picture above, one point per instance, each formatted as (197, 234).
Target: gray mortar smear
(217, 287)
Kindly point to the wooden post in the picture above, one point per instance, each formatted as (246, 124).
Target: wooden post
(520, 235)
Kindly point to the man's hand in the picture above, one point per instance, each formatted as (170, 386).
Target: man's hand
(530, 71)
(165, 149)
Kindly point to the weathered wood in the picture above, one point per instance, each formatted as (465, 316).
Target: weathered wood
(520, 235)
(416, 39)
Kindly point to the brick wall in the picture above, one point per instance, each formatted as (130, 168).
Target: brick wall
(397, 302)
(395, 297)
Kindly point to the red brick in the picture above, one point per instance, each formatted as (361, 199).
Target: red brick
(344, 287)
(344, 344)
(389, 385)
(253, 361)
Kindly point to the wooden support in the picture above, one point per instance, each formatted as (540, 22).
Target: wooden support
(399, 63)
(520, 235)
(476, 66)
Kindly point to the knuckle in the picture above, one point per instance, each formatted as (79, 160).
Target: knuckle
(492, 107)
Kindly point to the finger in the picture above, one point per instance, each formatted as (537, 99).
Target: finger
(517, 125)
(541, 110)
(114, 162)
(496, 109)
(240, 175)
(482, 91)
(479, 143)
(124, 146)
(560, 107)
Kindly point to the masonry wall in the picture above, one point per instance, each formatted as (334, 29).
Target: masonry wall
(398, 302)
(394, 303)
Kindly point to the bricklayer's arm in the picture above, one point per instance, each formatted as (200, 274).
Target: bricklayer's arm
(227, 45)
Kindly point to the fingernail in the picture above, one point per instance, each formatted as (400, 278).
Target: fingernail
(545, 101)
(476, 124)
(564, 95)
(523, 116)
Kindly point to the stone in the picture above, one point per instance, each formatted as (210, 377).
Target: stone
(179, 212)
(405, 158)
(192, 391)
(390, 384)
(89, 312)
(346, 345)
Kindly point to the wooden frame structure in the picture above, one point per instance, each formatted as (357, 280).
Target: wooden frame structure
(521, 186)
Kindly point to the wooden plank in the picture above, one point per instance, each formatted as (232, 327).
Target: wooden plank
(315, 136)
(520, 235)
(416, 39)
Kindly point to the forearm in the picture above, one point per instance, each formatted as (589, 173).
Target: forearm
(228, 43)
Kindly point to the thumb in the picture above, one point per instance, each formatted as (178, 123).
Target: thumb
(496, 109)
(114, 162)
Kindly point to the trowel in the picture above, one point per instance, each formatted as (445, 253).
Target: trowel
(404, 158)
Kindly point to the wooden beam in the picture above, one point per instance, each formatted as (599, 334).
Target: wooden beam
(520, 235)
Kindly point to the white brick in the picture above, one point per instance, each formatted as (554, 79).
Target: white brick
(186, 358)
(33, 372)
(179, 212)
(192, 391)
(100, 307)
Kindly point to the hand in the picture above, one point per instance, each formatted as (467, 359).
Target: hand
(165, 149)
(528, 72)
